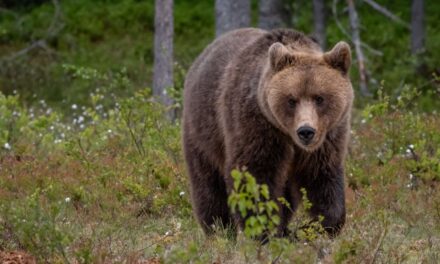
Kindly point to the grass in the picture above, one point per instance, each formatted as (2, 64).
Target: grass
(90, 172)
(108, 184)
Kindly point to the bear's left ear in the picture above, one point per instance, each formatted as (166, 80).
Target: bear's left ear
(339, 57)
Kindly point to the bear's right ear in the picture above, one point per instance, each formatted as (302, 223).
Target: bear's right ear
(279, 57)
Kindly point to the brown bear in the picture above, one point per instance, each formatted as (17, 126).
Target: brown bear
(275, 103)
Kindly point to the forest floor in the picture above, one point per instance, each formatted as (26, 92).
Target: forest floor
(91, 172)
(108, 185)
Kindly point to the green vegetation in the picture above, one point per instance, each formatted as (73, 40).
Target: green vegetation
(91, 172)
(108, 185)
(250, 198)
(116, 37)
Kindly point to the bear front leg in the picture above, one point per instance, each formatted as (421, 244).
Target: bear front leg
(208, 191)
(325, 190)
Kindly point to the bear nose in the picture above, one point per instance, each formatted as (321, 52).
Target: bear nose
(306, 134)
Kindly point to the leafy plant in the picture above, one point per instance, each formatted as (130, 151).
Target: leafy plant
(252, 201)
(36, 227)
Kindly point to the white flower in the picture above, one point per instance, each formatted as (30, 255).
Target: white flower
(7, 146)
(74, 106)
(67, 199)
(182, 194)
(167, 233)
(363, 121)
(411, 146)
(80, 119)
(109, 131)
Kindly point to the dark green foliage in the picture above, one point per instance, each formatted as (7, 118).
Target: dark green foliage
(115, 36)
(17, 4)
(91, 172)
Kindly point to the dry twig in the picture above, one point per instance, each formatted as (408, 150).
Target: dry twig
(355, 35)
(342, 29)
(387, 13)
(378, 245)
(55, 27)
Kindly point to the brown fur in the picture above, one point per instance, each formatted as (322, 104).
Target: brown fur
(245, 98)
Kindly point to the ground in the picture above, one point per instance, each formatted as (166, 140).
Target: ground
(90, 172)
(109, 185)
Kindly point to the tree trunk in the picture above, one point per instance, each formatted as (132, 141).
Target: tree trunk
(319, 22)
(272, 14)
(417, 26)
(231, 14)
(356, 38)
(163, 50)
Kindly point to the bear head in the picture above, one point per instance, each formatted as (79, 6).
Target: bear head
(306, 93)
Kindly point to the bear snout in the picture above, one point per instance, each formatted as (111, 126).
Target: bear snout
(306, 134)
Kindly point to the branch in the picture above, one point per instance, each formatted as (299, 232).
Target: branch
(387, 13)
(7, 11)
(378, 245)
(338, 23)
(37, 44)
(342, 29)
(55, 27)
(354, 24)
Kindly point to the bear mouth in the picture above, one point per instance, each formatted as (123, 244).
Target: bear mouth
(310, 146)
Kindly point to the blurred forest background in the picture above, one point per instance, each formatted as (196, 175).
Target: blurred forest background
(398, 41)
(91, 169)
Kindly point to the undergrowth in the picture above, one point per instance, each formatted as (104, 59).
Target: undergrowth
(107, 184)
(92, 172)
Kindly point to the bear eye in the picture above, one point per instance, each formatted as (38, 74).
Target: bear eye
(291, 102)
(319, 100)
